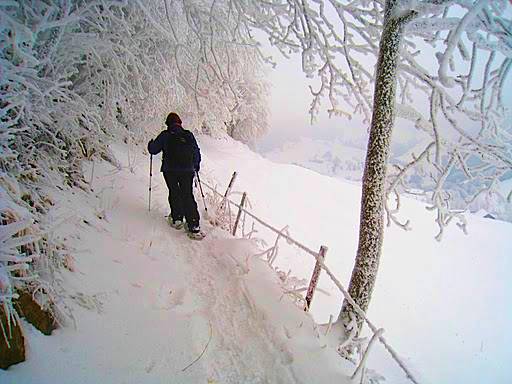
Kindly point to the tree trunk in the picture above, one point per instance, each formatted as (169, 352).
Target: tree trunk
(371, 223)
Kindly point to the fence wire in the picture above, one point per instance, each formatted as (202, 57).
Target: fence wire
(293, 286)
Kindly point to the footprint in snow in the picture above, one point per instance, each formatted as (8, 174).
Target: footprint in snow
(169, 297)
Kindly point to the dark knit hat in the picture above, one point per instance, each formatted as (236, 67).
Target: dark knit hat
(172, 119)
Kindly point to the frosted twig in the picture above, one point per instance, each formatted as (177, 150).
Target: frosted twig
(362, 363)
(204, 349)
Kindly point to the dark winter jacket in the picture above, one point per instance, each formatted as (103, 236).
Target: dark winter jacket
(181, 152)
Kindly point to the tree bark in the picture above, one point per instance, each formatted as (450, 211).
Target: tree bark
(371, 223)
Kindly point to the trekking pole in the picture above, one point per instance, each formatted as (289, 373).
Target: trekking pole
(201, 189)
(150, 175)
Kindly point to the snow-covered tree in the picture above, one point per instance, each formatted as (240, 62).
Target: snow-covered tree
(442, 65)
(77, 74)
(250, 114)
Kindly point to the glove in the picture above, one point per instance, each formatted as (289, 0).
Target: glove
(196, 168)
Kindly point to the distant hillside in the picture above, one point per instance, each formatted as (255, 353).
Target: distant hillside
(344, 159)
(331, 158)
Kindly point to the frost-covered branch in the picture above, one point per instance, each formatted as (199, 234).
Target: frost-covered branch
(76, 75)
(338, 44)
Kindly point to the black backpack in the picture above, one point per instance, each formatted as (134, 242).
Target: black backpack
(180, 150)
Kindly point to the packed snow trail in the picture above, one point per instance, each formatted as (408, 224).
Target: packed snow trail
(153, 306)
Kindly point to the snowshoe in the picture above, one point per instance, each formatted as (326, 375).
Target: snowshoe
(195, 233)
(176, 224)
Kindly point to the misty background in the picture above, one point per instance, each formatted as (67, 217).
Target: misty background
(336, 146)
(289, 118)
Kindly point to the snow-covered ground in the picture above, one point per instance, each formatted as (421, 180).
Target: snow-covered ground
(343, 158)
(446, 306)
(147, 300)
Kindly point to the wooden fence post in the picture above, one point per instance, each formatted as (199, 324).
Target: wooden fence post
(230, 185)
(314, 278)
(242, 202)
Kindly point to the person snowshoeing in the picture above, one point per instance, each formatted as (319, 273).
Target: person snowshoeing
(180, 161)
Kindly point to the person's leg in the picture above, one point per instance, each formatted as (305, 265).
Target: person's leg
(175, 201)
(189, 203)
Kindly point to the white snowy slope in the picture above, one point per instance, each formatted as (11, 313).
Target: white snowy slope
(446, 307)
(146, 298)
(344, 158)
(148, 301)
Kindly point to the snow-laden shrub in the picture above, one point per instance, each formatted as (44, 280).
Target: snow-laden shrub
(77, 74)
(19, 248)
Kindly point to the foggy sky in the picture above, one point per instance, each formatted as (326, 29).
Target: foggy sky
(290, 100)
